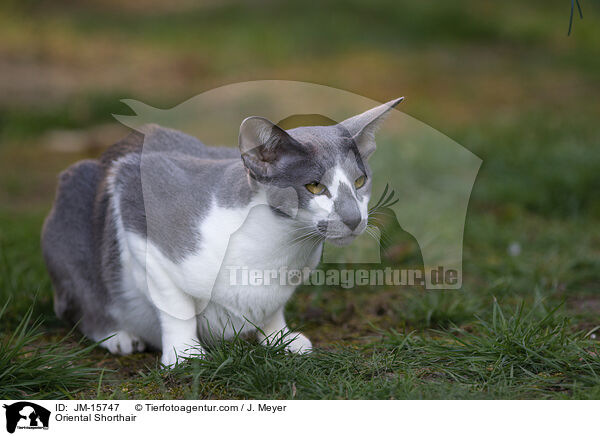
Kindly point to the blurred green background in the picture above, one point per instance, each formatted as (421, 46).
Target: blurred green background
(501, 78)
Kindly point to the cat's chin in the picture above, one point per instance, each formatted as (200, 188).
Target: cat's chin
(343, 240)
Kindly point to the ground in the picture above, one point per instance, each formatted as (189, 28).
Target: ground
(502, 79)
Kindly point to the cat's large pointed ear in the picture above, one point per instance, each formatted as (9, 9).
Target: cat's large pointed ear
(362, 127)
(263, 144)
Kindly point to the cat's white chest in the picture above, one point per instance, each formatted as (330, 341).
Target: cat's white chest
(259, 244)
(232, 242)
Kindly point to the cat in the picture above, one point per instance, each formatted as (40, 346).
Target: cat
(140, 243)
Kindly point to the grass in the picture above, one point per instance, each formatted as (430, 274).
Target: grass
(501, 79)
(31, 370)
(519, 329)
(524, 354)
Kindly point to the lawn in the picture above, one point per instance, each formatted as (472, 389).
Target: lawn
(501, 79)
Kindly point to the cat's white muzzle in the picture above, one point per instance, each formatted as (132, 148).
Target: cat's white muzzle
(338, 233)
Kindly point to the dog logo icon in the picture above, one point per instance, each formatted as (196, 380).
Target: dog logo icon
(26, 415)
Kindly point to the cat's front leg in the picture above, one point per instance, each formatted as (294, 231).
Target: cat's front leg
(276, 328)
(176, 311)
(179, 339)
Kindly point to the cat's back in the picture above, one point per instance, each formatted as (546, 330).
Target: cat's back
(161, 178)
(153, 138)
(158, 139)
(162, 184)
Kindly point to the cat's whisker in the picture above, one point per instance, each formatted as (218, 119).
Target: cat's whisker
(381, 235)
(372, 235)
(298, 241)
(304, 237)
(380, 212)
(318, 240)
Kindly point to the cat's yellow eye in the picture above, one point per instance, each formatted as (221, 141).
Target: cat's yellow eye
(315, 188)
(360, 182)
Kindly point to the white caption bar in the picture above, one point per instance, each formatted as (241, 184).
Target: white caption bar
(299, 417)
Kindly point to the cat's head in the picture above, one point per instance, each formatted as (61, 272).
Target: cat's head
(319, 172)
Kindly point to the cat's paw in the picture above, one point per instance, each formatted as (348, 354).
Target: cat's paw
(300, 344)
(123, 343)
(173, 356)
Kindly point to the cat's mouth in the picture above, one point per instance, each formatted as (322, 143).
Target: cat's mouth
(341, 240)
(337, 236)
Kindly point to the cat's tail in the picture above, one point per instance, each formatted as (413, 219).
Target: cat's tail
(68, 241)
